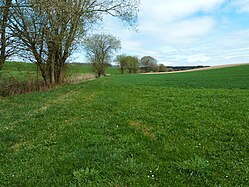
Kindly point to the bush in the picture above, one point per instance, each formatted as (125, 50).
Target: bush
(162, 68)
(12, 87)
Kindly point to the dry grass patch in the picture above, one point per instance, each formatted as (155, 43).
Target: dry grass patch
(18, 145)
(145, 129)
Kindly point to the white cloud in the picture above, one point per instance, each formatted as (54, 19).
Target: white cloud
(235, 57)
(175, 21)
(229, 48)
(198, 58)
(242, 5)
(173, 10)
(186, 32)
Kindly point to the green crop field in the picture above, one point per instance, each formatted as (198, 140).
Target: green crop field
(185, 129)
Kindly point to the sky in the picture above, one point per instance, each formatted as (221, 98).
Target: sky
(185, 32)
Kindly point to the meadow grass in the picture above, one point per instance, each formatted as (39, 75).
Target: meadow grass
(25, 71)
(19, 71)
(187, 129)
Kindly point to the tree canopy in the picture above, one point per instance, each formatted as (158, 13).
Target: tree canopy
(149, 63)
(129, 63)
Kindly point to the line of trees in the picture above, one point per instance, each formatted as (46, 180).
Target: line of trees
(48, 32)
(100, 49)
(133, 64)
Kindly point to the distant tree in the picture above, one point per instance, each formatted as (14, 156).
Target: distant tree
(162, 68)
(129, 63)
(148, 64)
(132, 64)
(122, 62)
(100, 49)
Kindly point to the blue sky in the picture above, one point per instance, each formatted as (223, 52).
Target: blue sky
(186, 32)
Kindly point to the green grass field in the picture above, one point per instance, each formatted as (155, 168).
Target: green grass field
(19, 71)
(23, 71)
(186, 129)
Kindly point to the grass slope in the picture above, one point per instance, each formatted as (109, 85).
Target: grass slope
(188, 129)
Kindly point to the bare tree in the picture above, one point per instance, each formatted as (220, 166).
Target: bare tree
(100, 49)
(49, 31)
(6, 40)
(148, 64)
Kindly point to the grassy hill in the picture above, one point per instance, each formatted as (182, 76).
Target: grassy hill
(186, 129)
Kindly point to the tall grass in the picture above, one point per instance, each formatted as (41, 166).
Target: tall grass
(20, 77)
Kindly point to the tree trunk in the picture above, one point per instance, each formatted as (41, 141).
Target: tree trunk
(1, 63)
(60, 73)
(52, 72)
(60, 68)
(61, 76)
(4, 24)
(3, 49)
(122, 70)
(51, 61)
